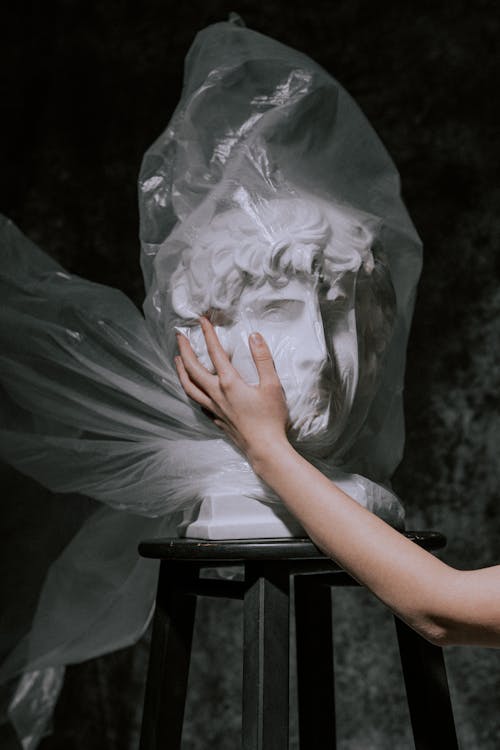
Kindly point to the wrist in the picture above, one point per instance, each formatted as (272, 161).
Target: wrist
(265, 454)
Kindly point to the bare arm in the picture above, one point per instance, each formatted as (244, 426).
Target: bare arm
(445, 605)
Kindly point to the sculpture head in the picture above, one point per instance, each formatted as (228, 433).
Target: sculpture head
(286, 268)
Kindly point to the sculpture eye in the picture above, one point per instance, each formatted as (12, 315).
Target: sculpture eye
(274, 313)
(283, 310)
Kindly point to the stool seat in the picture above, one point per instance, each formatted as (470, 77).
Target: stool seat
(270, 567)
(241, 550)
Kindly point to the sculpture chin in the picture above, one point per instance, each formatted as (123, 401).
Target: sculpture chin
(309, 405)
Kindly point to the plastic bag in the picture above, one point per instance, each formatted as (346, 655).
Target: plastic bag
(263, 142)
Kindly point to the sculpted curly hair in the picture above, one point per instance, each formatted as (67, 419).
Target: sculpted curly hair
(271, 243)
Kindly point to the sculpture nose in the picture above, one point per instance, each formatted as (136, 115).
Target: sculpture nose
(300, 358)
(316, 352)
(313, 353)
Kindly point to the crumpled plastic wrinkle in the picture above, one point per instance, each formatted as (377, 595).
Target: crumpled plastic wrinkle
(33, 704)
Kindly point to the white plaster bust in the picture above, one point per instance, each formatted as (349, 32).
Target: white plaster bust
(287, 267)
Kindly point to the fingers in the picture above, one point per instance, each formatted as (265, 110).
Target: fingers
(219, 358)
(208, 406)
(263, 359)
(192, 390)
(197, 373)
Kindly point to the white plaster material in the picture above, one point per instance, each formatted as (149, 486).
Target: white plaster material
(274, 269)
(230, 515)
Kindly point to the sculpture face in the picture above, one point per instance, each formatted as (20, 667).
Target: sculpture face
(277, 269)
(290, 320)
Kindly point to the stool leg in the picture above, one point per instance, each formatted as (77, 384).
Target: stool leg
(265, 660)
(427, 691)
(315, 669)
(169, 659)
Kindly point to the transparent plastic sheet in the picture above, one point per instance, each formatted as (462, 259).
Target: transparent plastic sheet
(265, 150)
(259, 123)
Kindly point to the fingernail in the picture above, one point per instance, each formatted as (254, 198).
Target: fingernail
(256, 339)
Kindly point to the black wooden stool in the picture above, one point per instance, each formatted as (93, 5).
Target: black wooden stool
(268, 566)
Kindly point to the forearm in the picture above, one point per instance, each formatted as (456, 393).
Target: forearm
(412, 582)
(443, 604)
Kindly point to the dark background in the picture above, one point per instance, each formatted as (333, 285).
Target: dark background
(86, 87)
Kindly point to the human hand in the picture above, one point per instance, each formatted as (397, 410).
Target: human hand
(253, 416)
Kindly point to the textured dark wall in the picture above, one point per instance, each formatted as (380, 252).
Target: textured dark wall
(88, 87)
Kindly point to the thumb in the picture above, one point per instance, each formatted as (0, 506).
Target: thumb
(263, 359)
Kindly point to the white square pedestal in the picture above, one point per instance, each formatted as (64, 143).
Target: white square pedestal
(230, 516)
